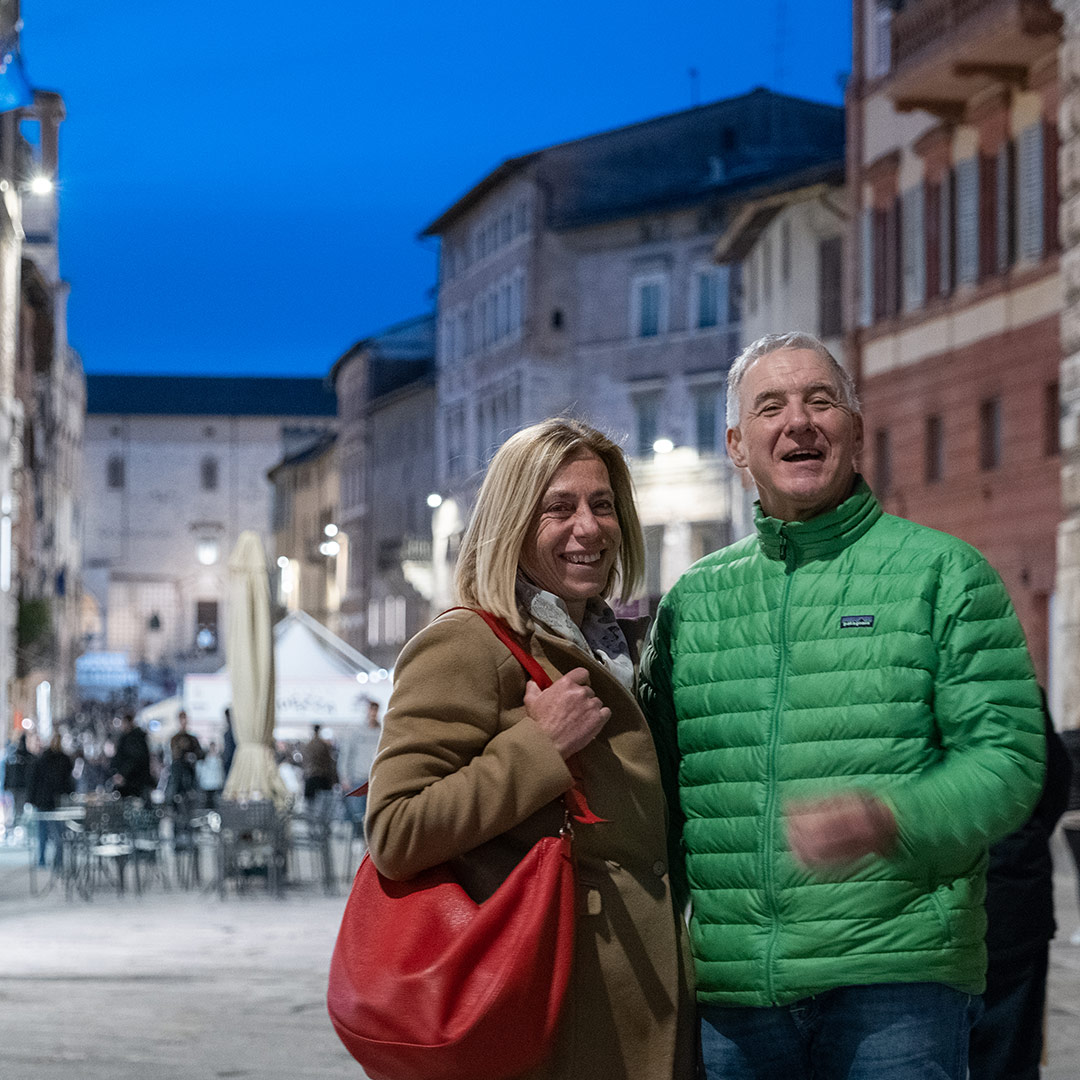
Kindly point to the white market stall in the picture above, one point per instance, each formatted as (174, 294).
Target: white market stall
(320, 680)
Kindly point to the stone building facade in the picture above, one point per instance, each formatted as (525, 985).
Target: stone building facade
(311, 552)
(51, 392)
(1067, 607)
(175, 470)
(579, 279)
(952, 166)
(385, 386)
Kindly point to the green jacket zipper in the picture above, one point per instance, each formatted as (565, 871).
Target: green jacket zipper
(787, 553)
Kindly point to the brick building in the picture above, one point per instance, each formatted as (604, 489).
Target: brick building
(952, 171)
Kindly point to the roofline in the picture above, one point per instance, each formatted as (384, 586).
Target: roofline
(369, 341)
(515, 164)
(466, 202)
(738, 237)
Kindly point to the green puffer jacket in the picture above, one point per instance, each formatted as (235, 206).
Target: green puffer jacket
(854, 651)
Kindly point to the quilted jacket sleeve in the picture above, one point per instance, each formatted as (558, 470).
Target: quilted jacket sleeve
(459, 762)
(658, 704)
(988, 712)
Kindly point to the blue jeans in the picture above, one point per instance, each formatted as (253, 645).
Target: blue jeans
(889, 1031)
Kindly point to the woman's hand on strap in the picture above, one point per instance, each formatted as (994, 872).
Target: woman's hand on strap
(568, 711)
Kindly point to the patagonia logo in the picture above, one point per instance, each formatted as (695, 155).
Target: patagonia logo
(856, 622)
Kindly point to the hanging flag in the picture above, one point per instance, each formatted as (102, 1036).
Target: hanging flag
(15, 89)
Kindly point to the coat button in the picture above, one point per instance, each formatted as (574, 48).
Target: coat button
(658, 868)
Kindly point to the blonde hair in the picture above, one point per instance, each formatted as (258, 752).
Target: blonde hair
(516, 480)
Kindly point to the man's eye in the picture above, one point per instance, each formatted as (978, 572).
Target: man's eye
(771, 409)
(822, 403)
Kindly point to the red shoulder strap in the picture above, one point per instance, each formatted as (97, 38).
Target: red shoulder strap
(575, 800)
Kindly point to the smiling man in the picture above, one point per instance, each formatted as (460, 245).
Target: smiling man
(847, 717)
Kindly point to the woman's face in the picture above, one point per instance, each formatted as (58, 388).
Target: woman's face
(572, 543)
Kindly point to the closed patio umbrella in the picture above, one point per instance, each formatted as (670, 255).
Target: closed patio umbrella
(249, 645)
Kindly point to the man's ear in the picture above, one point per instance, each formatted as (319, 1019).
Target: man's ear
(735, 447)
(856, 419)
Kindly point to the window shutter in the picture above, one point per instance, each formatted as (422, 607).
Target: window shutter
(1051, 197)
(1003, 202)
(1030, 192)
(914, 249)
(932, 233)
(947, 234)
(830, 286)
(987, 217)
(866, 295)
(967, 221)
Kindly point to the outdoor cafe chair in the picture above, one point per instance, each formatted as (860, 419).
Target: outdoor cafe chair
(97, 849)
(249, 843)
(311, 832)
(148, 845)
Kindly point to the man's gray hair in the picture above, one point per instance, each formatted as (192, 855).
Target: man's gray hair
(770, 343)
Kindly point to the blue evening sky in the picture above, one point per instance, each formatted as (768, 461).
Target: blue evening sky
(243, 182)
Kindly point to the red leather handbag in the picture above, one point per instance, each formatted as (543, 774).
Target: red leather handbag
(427, 984)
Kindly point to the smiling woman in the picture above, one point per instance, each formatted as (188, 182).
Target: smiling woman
(475, 757)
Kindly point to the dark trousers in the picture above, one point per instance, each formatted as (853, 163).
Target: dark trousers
(1072, 838)
(1007, 1041)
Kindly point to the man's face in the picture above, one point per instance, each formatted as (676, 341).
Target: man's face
(795, 436)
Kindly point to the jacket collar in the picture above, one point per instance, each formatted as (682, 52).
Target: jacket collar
(823, 535)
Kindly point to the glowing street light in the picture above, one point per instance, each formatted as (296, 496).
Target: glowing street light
(434, 500)
(663, 446)
(42, 185)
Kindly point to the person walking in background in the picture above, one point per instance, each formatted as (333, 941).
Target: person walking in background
(1007, 1040)
(475, 757)
(51, 780)
(320, 772)
(130, 765)
(357, 752)
(185, 753)
(210, 775)
(1070, 822)
(847, 718)
(17, 761)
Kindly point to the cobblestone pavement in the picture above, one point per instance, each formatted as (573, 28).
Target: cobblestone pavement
(184, 986)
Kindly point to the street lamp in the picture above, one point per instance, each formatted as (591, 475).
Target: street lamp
(663, 446)
(42, 185)
(434, 500)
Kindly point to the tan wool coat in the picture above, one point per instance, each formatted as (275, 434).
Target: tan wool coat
(463, 774)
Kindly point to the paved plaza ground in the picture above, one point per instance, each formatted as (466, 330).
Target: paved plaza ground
(184, 986)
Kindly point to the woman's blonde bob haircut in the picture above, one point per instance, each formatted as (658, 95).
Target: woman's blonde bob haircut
(509, 499)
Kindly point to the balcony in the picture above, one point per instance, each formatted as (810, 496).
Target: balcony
(945, 51)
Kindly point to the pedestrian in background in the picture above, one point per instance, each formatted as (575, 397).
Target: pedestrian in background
(320, 772)
(17, 774)
(1007, 1040)
(847, 717)
(130, 765)
(355, 756)
(185, 753)
(1070, 822)
(210, 775)
(51, 780)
